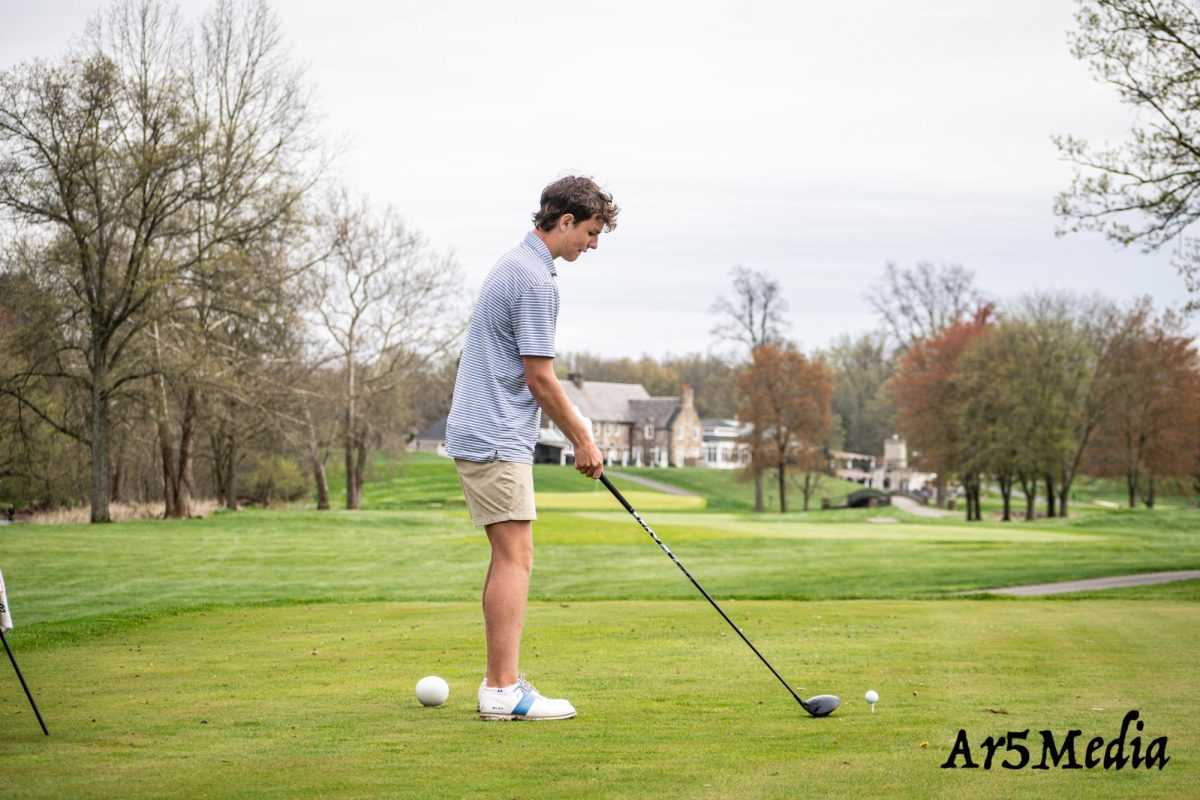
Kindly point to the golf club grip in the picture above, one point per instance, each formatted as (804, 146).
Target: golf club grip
(604, 479)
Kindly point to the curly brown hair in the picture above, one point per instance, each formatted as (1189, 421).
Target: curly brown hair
(581, 197)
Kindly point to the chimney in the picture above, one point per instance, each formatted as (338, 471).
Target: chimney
(574, 375)
(689, 396)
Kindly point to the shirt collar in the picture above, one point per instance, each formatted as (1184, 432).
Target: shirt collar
(539, 247)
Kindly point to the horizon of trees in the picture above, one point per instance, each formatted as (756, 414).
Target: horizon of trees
(181, 312)
(189, 306)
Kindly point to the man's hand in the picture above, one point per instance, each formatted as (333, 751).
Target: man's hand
(545, 388)
(588, 460)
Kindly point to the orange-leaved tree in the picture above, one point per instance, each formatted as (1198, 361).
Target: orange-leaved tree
(930, 402)
(785, 398)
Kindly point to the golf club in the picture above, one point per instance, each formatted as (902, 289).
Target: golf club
(821, 705)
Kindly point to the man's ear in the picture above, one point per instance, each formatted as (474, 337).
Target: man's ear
(566, 221)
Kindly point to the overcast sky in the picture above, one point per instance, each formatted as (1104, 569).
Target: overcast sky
(813, 140)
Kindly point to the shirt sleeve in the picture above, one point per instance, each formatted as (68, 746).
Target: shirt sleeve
(534, 318)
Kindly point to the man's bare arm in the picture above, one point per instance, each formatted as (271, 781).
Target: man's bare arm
(539, 376)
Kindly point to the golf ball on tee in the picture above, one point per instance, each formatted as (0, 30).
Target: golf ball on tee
(432, 690)
(872, 697)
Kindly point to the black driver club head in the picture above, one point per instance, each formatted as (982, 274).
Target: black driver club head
(821, 705)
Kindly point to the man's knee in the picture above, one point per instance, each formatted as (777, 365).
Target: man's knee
(512, 542)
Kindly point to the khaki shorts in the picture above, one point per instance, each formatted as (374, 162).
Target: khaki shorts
(497, 491)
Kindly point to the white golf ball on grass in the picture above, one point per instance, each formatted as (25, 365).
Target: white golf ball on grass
(432, 690)
(872, 698)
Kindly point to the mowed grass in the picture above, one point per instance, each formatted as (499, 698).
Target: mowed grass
(77, 578)
(428, 481)
(272, 653)
(317, 701)
(425, 480)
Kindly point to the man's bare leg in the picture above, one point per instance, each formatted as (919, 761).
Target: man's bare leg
(505, 593)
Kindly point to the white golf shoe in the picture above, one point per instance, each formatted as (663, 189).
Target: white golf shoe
(520, 701)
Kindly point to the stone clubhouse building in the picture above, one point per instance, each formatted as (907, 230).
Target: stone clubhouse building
(630, 427)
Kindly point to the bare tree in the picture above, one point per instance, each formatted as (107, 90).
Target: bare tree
(95, 150)
(389, 306)
(754, 317)
(255, 159)
(1145, 190)
(920, 303)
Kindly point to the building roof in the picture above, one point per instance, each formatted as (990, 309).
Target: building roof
(605, 402)
(658, 410)
(846, 454)
(436, 431)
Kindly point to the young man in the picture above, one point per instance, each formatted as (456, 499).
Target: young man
(505, 380)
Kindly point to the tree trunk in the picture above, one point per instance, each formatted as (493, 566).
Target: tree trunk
(360, 467)
(317, 463)
(348, 452)
(318, 468)
(216, 442)
(187, 443)
(99, 499)
(1064, 493)
(940, 486)
(1050, 507)
(758, 493)
(231, 487)
(1006, 486)
(782, 488)
(116, 475)
(352, 500)
(1149, 498)
(1029, 488)
(167, 461)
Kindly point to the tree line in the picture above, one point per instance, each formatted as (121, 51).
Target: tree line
(1056, 387)
(186, 298)
(189, 305)
(1027, 396)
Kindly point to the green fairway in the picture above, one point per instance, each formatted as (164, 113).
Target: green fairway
(317, 701)
(641, 500)
(80, 578)
(273, 653)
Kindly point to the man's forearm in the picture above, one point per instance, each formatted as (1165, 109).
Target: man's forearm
(554, 401)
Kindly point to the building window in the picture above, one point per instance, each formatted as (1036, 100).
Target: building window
(710, 453)
(649, 432)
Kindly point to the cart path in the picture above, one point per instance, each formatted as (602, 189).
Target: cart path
(1093, 584)
(913, 507)
(652, 484)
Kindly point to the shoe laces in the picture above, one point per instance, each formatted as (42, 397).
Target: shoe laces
(526, 686)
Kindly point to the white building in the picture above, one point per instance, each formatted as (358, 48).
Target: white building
(893, 474)
(722, 450)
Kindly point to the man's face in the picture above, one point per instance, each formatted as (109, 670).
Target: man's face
(579, 237)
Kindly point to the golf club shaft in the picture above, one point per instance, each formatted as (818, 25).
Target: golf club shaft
(604, 479)
(21, 678)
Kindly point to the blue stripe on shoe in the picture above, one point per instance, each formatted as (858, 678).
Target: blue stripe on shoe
(524, 704)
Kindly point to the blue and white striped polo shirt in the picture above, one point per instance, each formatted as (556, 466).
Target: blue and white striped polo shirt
(494, 416)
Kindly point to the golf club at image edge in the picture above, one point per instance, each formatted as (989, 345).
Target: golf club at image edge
(819, 705)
